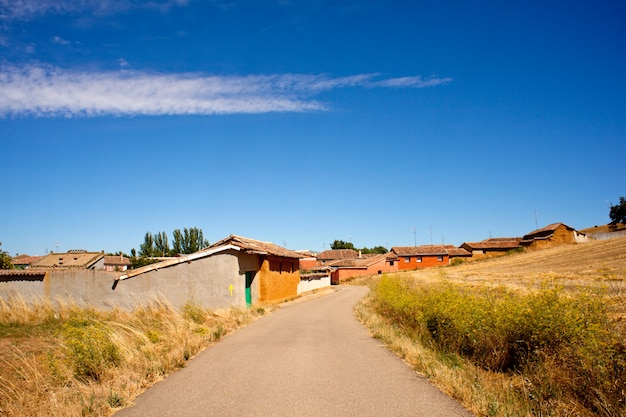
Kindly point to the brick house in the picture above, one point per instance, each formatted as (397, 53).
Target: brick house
(416, 257)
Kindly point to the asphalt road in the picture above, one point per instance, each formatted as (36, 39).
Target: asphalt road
(311, 358)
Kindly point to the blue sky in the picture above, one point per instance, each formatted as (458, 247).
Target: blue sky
(302, 122)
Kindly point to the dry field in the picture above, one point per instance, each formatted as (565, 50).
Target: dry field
(546, 310)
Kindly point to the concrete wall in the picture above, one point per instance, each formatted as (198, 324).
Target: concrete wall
(313, 284)
(205, 281)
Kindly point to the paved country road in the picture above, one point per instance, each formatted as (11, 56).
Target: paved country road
(310, 358)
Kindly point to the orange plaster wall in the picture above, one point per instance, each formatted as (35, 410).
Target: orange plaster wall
(278, 278)
(428, 261)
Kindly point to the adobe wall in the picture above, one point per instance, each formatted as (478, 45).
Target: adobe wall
(278, 278)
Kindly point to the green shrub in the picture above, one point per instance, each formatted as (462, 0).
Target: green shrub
(90, 349)
(194, 312)
(563, 343)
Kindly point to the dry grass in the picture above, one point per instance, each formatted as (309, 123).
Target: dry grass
(67, 361)
(563, 378)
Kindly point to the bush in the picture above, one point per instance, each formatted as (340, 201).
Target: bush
(564, 344)
(90, 349)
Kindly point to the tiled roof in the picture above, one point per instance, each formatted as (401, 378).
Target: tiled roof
(116, 260)
(548, 230)
(71, 259)
(7, 275)
(256, 246)
(358, 262)
(24, 259)
(420, 250)
(492, 244)
(230, 243)
(333, 254)
(454, 251)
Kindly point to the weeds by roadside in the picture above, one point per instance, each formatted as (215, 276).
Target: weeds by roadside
(70, 361)
(503, 352)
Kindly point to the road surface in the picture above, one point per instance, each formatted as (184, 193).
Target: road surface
(310, 358)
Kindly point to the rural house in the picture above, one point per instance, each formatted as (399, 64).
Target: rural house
(331, 255)
(73, 259)
(24, 261)
(344, 269)
(551, 235)
(414, 257)
(235, 271)
(116, 263)
(492, 246)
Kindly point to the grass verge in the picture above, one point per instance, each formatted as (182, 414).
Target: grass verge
(70, 361)
(505, 352)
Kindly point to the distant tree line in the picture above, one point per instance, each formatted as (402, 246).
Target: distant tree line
(157, 245)
(340, 244)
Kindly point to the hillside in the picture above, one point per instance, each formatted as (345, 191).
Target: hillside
(596, 261)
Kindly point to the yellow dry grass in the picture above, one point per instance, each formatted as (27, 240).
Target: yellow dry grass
(573, 267)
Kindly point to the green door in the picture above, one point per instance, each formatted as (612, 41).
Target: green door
(249, 278)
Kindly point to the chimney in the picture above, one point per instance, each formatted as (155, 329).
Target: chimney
(359, 253)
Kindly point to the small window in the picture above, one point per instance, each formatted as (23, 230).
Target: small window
(440, 258)
(419, 259)
(391, 263)
(407, 259)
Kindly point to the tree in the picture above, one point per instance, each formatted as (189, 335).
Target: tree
(5, 260)
(177, 244)
(617, 213)
(161, 246)
(192, 240)
(340, 244)
(377, 250)
(146, 249)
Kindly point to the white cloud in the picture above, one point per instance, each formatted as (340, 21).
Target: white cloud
(60, 41)
(41, 91)
(28, 9)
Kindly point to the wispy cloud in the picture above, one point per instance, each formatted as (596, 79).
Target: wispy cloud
(29, 9)
(41, 91)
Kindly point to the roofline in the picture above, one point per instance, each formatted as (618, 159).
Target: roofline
(187, 258)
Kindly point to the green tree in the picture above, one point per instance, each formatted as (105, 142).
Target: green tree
(146, 249)
(377, 250)
(5, 260)
(161, 246)
(617, 213)
(193, 240)
(340, 244)
(177, 244)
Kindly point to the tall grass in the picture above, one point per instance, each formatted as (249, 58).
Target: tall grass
(560, 351)
(64, 360)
